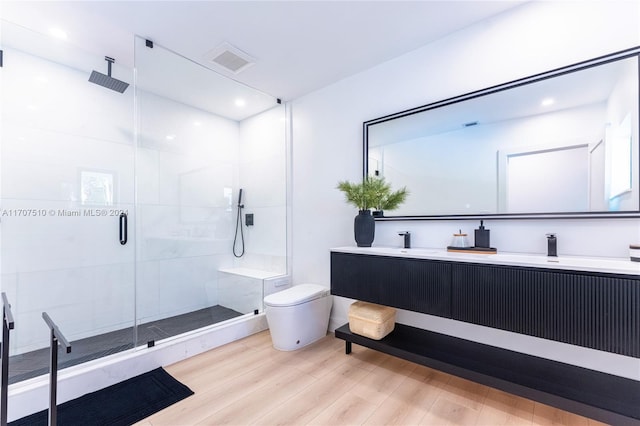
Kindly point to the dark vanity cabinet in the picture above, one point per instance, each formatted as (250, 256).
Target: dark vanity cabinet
(594, 310)
(591, 309)
(598, 311)
(412, 284)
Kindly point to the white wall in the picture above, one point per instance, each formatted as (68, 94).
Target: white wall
(327, 147)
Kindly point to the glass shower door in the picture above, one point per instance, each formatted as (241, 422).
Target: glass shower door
(67, 173)
(188, 179)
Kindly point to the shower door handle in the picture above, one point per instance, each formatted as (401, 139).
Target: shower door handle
(123, 228)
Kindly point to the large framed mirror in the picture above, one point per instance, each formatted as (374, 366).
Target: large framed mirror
(558, 144)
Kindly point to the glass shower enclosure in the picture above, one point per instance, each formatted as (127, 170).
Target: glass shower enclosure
(118, 209)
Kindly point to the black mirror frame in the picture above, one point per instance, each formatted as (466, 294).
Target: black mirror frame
(624, 54)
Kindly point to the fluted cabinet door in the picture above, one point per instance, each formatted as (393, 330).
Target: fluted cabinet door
(411, 284)
(595, 311)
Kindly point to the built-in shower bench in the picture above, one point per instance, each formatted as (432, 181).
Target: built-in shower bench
(258, 274)
(243, 289)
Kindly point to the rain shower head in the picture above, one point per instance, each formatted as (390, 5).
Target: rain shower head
(106, 80)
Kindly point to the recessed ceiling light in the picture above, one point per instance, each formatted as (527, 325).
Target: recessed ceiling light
(548, 101)
(240, 102)
(170, 137)
(58, 33)
(197, 123)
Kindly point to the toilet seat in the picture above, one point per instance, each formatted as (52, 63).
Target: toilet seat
(296, 295)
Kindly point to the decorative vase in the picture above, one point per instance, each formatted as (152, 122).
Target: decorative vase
(364, 227)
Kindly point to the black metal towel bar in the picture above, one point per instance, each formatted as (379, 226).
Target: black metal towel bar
(7, 324)
(56, 336)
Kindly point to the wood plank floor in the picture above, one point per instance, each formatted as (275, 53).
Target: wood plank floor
(248, 382)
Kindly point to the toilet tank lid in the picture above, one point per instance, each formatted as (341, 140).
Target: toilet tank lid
(296, 295)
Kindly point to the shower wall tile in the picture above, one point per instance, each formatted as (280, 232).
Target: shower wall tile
(32, 335)
(155, 220)
(264, 135)
(175, 286)
(205, 187)
(186, 170)
(242, 294)
(262, 183)
(58, 254)
(47, 95)
(183, 283)
(147, 182)
(277, 263)
(207, 222)
(263, 158)
(268, 235)
(163, 235)
(9, 285)
(147, 290)
(167, 248)
(187, 156)
(42, 164)
(176, 128)
(113, 298)
(188, 180)
(263, 177)
(82, 301)
(262, 262)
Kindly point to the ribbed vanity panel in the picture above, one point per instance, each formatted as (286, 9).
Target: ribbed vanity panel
(590, 310)
(350, 277)
(411, 284)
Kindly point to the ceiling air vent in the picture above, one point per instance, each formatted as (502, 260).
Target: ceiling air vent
(230, 58)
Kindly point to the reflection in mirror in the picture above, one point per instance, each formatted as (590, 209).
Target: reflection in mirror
(557, 144)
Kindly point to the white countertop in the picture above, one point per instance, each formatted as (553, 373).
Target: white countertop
(574, 263)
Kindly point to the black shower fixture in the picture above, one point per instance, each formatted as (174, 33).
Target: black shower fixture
(106, 80)
(240, 251)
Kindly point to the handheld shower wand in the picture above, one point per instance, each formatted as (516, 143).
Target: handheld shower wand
(240, 205)
(239, 226)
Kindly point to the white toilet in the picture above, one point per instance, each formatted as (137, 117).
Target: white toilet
(298, 316)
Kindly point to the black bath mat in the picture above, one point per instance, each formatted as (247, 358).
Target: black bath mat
(121, 404)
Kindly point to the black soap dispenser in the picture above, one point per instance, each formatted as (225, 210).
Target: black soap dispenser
(482, 236)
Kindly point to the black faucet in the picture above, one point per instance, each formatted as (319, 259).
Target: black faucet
(407, 238)
(552, 245)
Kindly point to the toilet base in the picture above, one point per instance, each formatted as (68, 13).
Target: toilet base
(294, 327)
